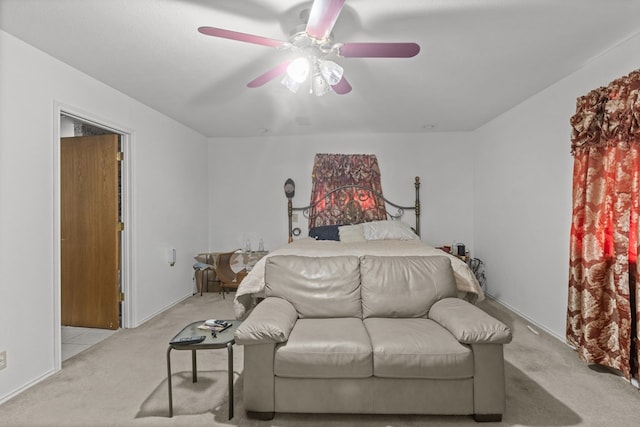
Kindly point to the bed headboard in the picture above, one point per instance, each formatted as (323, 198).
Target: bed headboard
(351, 209)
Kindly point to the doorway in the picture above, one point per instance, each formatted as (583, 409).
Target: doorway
(71, 307)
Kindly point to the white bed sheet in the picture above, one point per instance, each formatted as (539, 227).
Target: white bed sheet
(252, 285)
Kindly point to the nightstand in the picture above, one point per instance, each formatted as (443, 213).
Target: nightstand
(466, 257)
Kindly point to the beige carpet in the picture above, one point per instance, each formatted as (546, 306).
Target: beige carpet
(122, 382)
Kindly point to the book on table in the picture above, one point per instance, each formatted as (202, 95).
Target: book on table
(215, 325)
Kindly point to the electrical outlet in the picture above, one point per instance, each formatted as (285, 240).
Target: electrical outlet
(3, 359)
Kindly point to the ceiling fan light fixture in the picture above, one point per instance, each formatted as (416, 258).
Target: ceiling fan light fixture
(290, 84)
(331, 72)
(298, 69)
(319, 86)
(324, 74)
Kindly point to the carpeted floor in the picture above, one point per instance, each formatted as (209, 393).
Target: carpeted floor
(122, 382)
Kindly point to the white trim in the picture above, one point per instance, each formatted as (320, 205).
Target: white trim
(56, 322)
(633, 381)
(528, 319)
(164, 309)
(27, 386)
(129, 314)
(128, 209)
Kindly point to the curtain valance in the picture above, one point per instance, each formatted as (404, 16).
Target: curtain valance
(608, 116)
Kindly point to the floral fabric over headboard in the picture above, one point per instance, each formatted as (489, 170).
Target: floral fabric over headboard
(349, 205)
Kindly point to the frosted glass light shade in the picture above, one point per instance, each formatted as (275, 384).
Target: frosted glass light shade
(290, 84)
(331, 72)
(319, 85)
(324, 75)
(298, 69)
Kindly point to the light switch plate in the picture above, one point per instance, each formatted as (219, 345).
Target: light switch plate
(3, 359)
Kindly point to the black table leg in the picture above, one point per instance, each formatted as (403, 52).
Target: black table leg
(230, 374)
(169, 381)
(194, 367)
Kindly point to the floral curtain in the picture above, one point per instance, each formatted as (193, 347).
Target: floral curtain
(349, 205)
(602, 307)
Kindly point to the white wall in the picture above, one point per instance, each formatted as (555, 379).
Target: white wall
(169, 195)
(523, 179)
(253, 171)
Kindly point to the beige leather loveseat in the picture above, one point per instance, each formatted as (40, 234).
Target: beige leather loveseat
(370, 334)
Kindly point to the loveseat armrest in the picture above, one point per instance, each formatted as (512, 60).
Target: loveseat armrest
(270, 321)
(468, 323)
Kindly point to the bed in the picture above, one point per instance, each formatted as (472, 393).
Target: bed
(356, 235)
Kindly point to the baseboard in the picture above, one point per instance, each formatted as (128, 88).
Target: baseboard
(633, 381)
(26, 386)
(528, 319)
(162, 310)
(47, 374)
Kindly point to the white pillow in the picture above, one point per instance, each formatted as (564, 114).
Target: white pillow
(388, 230)
(351, 233)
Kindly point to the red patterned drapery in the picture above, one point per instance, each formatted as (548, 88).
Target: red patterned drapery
(603, 305)
(331, 171)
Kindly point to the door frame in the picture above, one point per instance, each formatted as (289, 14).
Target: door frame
(127, 265)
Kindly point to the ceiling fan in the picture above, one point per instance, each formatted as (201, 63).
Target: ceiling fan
(312, 50)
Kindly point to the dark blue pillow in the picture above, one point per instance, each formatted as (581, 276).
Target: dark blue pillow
(325, 232)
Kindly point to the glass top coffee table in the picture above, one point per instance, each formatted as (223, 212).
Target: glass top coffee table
(222, 339)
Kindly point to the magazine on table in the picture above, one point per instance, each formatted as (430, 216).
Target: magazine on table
(215, 325)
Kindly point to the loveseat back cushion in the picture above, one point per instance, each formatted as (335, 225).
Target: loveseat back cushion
(318, 287)
(404, 286)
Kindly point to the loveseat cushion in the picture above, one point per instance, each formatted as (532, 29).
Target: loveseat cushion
(416, 348)
(316, 286)
(325, 348)
(404, 286)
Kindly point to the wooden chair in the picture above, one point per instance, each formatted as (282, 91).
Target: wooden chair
(229, 280)
(206, 275)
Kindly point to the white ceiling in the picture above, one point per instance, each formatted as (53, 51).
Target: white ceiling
(478, 58)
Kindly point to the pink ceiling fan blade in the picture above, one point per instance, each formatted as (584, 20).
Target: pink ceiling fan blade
(243, 37)
(322, 17)
(342, 87)
(379, 50)
(276, 71)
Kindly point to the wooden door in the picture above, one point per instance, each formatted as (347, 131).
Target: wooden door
(90, 236)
